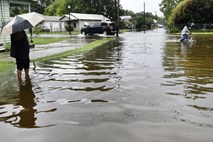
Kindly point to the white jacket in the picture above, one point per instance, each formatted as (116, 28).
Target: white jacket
(185, 30)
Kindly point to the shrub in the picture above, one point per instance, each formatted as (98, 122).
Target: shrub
(37, 30)
(69, 28)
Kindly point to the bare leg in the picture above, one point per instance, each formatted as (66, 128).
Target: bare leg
(19, 75)
(27, 73)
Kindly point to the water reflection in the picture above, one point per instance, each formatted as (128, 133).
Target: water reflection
(95, 71)
(188, 71)
(26, 116)
(143, 79)
(27, 96)
(22, 113)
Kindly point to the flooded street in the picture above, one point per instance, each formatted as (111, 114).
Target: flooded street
(145, 87)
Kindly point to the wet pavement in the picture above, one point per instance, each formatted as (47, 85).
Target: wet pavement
(145, 87)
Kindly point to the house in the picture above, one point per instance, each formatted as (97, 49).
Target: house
(5, 15)
(126, 21)
(5, 9)
(53, 24)
(79, 20)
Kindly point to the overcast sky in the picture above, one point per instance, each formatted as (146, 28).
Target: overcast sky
(138, 6)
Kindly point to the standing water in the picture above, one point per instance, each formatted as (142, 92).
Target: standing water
(145, 87)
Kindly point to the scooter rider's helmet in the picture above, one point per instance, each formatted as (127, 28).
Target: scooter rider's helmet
(192, 24)
(188, 25)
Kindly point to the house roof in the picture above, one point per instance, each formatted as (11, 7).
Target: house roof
(19, 2)
(52, 18)
(81, 16)
(126, 17)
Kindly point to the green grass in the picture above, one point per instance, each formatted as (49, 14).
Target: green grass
(197, 33)
(81, 50)
(76, 32)
(6, 65)
(202, 33)
(40, 40)
(124, 30)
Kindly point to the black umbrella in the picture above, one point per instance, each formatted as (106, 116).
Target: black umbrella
(22, 22)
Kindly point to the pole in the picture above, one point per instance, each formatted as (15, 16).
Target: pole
(69, 25)
(69, 10)
(144, 17)
(117, 17)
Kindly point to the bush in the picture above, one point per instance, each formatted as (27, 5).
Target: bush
(174, 30)
(7, 46)
(69, 28)
(37, 30)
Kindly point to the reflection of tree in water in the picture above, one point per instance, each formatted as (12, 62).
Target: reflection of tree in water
(104, 57)
(189, 66)
(97, 69)
(103, 64)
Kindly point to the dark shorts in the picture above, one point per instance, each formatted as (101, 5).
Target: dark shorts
(23, 64)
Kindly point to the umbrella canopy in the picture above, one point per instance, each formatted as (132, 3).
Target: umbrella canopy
(22, 22)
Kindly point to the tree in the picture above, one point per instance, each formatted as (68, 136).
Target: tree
(124, 12)
(166, 7)
(103, 7)
(36, 6)
(192, 10)
(40, 5)
(138, 19)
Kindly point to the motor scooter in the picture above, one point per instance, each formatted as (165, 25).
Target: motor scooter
(185, 38)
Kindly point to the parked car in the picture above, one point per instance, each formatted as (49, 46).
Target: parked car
(99, 28)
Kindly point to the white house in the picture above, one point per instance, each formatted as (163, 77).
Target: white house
(5, 15)
(126, 20)
(79, 20)
(5, 9)
(53, 24)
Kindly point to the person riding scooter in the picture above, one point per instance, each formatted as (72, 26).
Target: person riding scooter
(184, 33)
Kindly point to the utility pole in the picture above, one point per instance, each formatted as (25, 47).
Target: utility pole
(144, 17)
(117, 16)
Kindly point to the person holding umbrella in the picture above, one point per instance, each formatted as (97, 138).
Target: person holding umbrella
(20, 47)
(20, 50)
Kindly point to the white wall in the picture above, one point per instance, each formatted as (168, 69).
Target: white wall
(80, 24)
(5, 17)
(54, 26)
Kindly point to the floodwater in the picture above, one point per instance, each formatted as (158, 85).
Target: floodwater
(145, 87)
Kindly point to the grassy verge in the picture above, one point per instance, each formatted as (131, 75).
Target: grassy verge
(197, 33)
(40, 40)
(76, 32)
(202, 33)
(124, 30)
(81, 50)
(6, 66)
